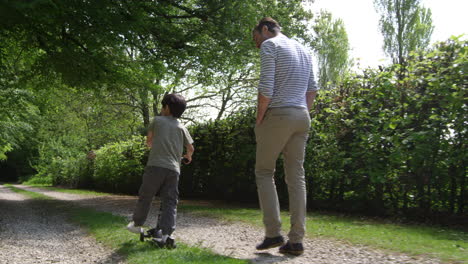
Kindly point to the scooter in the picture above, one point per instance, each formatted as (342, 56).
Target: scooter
(155, 234)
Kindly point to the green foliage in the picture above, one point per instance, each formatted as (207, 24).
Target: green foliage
(94, 118)
(91, 69)
(70, 124)
(6, 147)
(405, 25)
(332, 47)
(378, 144)
(118, 167)
(61, 162)
(76, 76)
(224, 159)
(384, 145)
(389, 141)
(39, 180)
(17, 117)
(18, 113)
(86, 43)
(115, 167)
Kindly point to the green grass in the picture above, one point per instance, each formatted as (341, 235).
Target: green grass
(73, 191)
(27, 193)
(39, 180)
(109, 230)
(438, 242)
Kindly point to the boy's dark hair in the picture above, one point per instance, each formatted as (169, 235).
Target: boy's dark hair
(271, 24)
(176, 103)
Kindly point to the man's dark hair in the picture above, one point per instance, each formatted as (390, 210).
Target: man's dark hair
(176, 103)
(271, 24)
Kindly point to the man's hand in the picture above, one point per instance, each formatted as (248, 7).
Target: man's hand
(262, 107)
(310, 96)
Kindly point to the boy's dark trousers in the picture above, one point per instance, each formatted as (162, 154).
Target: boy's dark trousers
(164, 181)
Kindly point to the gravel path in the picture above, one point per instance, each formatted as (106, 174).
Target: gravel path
(31, 233)
(238, 240)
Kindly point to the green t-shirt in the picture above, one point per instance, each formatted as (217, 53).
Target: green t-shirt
(169, 139)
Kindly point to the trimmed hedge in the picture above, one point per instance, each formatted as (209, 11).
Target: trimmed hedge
(224, 160)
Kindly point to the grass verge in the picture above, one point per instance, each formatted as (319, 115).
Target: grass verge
(445, 244)
(65, 190)
(108, 229)
(29, 194)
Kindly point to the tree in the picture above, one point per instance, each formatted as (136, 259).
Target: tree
(235, 89)
(405, 25)
(84, 41)
(18, 113)
(119, 57)
(332, 46)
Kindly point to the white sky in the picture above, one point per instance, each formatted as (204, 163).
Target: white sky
(449, 17)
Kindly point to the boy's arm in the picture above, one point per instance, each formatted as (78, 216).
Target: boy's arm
(150, 134)
(189, 152)
(149, 139)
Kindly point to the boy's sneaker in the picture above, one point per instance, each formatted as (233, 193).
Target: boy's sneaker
(271, 242)
(292, 248)
(156, 233)
(134, 229)
(168, 243)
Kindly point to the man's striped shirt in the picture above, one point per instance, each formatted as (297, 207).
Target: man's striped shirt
(286, 72)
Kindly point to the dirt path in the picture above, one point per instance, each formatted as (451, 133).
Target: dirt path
(238, 240)
(30, 233)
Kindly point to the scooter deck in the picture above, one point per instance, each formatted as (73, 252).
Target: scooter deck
(151, 233)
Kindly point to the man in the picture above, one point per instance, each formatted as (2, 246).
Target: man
(286, 92)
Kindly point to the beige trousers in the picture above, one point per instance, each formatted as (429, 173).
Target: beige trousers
(283, 130)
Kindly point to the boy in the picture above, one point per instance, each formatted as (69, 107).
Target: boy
(166, 138)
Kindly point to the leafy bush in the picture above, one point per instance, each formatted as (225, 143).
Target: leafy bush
(35, 180)
(61, 162)
(392, 140)
(118, 167)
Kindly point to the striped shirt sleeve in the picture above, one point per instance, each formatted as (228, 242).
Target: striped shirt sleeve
(312, 83)
(267, 72)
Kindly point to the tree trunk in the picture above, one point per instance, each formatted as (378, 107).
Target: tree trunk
(155, 104)
(453, 187)
(144, 107)
(378, 204)
(156, 99)
(462, 197)
(405, 199)
(400, 29)
(145, 113)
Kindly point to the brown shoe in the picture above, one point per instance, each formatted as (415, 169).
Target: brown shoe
(295, 249)
(271, 242)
